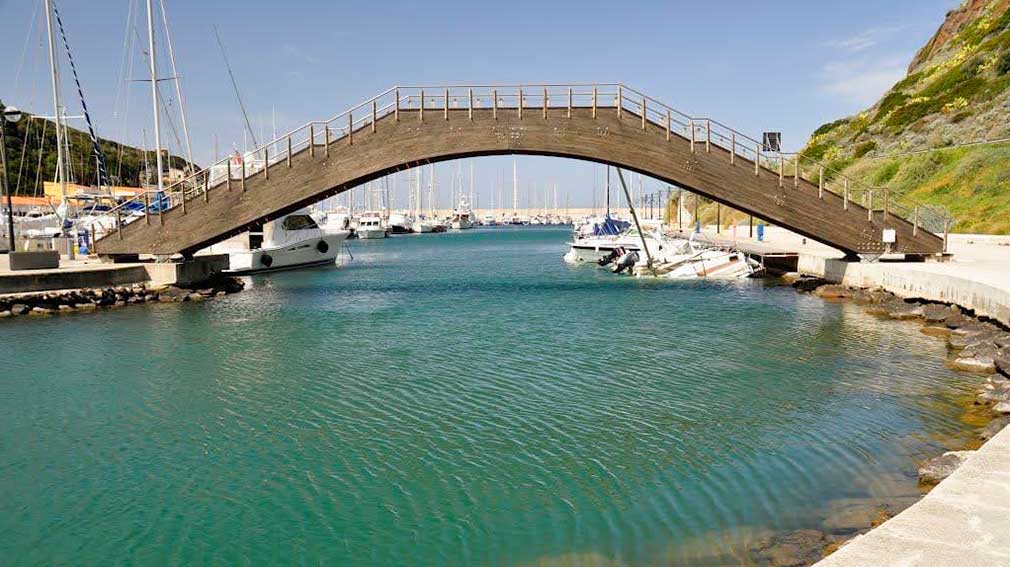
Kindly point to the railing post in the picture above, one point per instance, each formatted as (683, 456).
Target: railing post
(869, 208)
(94, 240)
(643, 113)
(494, 103)
(469, 103)
(820, 182)
(594, 102)
(946, 233)
(732, 148)
(796, 171)
(668, 127)
(887, 195)
(241, 182)
(620, 102)
(782, 167)
(374, 112)
(266, 164)
(312, 140)
(289, 151)
(545, 103)
(520, 103)
(757, 158)
(229, 174)
(691, 126)
(446, 110)
(845, 195)
(147, 208)
(350, 132)
(708, 136)
(396, 106)
(206, 187)
(569, 102)
(915, 221)
(119, 224)
(420, 110)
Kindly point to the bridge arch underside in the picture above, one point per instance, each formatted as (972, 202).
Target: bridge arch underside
(622, 141)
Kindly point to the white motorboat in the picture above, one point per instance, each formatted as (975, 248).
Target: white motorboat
(489, 220)
(293, 241)
(370, 227)
(400, 224)
(334, 222)
(709, 263)
(599, 241)
(462, 217)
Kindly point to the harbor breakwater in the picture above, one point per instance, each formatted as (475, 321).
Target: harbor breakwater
(96, 299)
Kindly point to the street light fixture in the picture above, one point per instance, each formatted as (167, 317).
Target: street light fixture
(10, 114)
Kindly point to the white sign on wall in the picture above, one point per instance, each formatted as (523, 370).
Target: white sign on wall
(890, 236)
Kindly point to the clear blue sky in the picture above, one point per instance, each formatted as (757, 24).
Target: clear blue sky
(788, 66)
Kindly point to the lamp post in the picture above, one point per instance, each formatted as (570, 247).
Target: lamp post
(10, 114)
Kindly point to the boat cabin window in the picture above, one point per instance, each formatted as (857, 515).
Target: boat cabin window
(299, 222)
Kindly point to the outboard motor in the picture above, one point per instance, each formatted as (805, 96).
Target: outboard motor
(609, 258)
(626, 262)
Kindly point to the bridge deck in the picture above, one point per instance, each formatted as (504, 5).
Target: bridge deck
(408, 139)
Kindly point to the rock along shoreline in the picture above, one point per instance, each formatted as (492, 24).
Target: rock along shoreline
(976, 345)
(94, 300)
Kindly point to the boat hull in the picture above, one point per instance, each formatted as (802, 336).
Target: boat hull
(317, 251)
(370, 233)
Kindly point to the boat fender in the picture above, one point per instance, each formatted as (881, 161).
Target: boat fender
(323, 247)
(266, 260)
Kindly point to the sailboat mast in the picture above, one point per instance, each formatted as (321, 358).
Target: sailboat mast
(154, 92)
(515, 187)
(608, 191)
(61, 170)
(431, 190)
(178, 87)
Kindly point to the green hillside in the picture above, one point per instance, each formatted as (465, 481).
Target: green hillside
(33, 162)
(911, 140)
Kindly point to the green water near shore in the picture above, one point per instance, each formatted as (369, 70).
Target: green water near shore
(458, 399)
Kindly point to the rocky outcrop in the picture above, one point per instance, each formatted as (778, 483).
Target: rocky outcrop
(793, 549)
(809, 284)
(994, 427)
(941, 467)
(957, 19)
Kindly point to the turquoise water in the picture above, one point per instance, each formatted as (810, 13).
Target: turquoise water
(458, 399)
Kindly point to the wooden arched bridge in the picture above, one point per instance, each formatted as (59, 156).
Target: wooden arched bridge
(406, 127)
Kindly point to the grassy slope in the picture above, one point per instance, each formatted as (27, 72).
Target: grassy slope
(956, 95)
(27, 172)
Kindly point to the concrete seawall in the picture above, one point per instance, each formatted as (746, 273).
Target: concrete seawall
(89, 275)
(979, 288)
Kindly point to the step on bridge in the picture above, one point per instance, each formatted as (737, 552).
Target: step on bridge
(406, 127)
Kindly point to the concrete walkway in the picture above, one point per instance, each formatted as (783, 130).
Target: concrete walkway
(91, 273)
(977, 277)
(963, 522)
